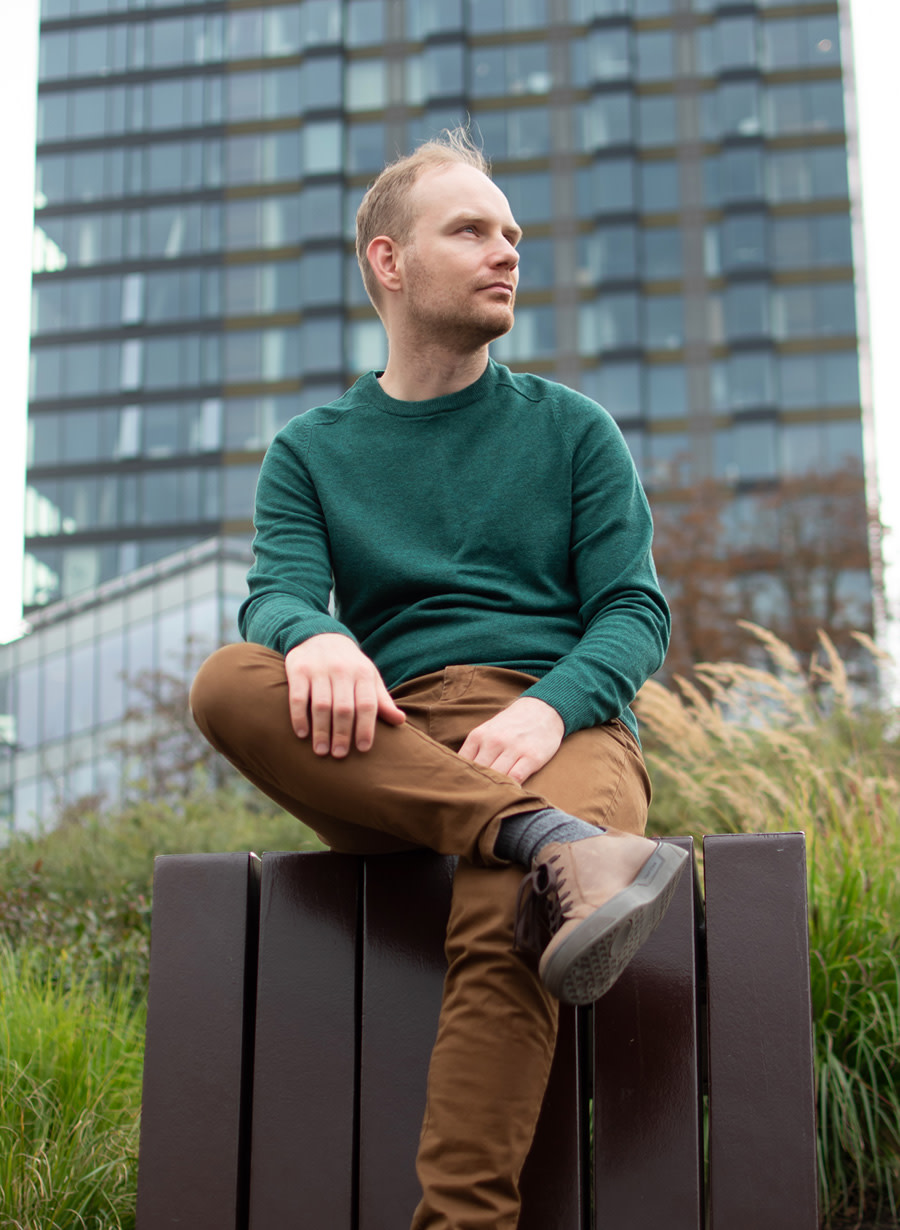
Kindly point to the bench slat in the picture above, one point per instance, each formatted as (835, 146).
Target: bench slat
(553, 1180)
(406, 904)
(194, 1123)
(648, 1156)
(304, 1122)
(761, 1091)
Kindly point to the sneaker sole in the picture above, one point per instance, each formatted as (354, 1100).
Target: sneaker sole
(583, 966)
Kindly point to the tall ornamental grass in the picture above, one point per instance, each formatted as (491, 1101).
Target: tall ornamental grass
(789, 746)
(70, 1076)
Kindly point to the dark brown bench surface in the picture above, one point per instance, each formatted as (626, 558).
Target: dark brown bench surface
(293, 1008)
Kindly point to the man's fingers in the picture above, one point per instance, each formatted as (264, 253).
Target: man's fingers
(336, 695)
(343, 712)
(298, 701)
(366, 714)
(320, 715)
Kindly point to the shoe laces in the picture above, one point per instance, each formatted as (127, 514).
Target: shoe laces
(540, 907)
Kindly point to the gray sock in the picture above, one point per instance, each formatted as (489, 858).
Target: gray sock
(522, 836)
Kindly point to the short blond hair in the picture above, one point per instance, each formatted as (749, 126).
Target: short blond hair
(386, 209)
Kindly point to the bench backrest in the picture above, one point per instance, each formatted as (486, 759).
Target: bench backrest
(294, 1003)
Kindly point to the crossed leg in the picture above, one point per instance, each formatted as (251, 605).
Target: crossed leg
(497, 1028)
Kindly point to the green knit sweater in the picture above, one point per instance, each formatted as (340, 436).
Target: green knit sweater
(501, 525)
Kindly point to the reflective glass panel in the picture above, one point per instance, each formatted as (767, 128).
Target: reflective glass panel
(751, 382)
(741, 175)
(736, 42)
(747, 310)
(657, 120)
(666, 391)
(606, 120)
(663, 322)
(608, 324)
(609, 254)
(365, 23)
(659, 186)
(366, 85)
(655, 55)
(605, 55)
(529, 195)
(662, 253)
(796, 42)
(617, 387)
(743, 239)
(606, 187)
(537, 269)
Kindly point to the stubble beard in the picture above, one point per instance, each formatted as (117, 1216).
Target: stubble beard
(450, 326)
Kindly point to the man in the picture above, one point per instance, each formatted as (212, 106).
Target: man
(496, 610)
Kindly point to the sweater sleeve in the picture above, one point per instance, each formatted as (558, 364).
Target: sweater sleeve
(623, 613)
(291, 577)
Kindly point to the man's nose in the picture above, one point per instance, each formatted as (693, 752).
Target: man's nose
(506, 254)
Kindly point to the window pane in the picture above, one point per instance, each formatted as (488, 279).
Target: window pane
(736, 42)
(655, 55)
(607, 255)
(666, 392)
(657, 120)
(664, 322)
(603, 56)
(744, 242)
(444, 70)
(365, 23)
(366, 85)
(617, 387)
(751, 383)
(747, 310)
(737, 109)
(662, 255)
(536, 264)
(606, 120)
(607, 187)
(609, 324)
(741, 175)
(529, 195)
(659, 186)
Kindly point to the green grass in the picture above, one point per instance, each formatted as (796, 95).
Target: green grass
(70, 1072)
(792, 748)
(855, 981)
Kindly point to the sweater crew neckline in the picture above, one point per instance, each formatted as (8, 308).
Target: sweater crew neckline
(433, 405)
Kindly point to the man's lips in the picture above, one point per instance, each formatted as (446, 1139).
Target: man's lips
(502, 286)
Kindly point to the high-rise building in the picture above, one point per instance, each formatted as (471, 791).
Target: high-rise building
(684, 171)
(680, 168)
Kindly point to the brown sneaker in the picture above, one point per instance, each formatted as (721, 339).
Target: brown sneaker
(605, 896)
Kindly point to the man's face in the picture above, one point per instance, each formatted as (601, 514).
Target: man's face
(460, 264)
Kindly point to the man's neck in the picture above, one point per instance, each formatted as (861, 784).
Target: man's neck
(431, 374)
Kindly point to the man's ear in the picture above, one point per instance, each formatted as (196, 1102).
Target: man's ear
(384, 259)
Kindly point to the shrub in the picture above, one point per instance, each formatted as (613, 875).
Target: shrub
(79, 895)
(749, 749)
(70, 1072)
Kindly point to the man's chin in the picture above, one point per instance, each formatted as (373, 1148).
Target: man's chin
(499, 324)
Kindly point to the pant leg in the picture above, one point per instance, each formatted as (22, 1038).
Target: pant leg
(409, 789)
(497, 1029)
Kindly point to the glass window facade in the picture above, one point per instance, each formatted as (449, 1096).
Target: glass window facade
(67, 687)
(687, 257)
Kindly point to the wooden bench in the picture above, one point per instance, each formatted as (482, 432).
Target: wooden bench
(293, 1006)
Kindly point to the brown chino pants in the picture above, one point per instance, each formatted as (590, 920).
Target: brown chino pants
(497, 1028)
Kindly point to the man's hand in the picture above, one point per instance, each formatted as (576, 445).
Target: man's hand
(336, 692)
(518, 740)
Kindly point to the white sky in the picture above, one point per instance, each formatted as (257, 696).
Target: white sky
(876, 34)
